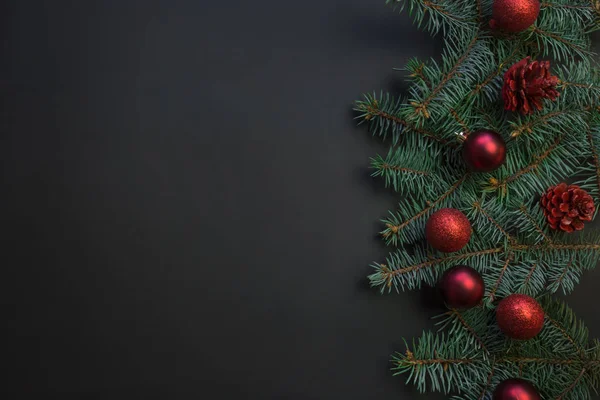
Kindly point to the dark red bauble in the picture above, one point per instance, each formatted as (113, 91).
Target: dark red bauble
(520, 316)
(514, 15)
(484, 151)
(462, 287)
(448, 230)
(516, 389)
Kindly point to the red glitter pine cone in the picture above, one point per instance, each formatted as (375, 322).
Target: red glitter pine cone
(526, 84)
(567, 207)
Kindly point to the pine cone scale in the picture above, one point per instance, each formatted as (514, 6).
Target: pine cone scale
(567, 207)
(526, 84)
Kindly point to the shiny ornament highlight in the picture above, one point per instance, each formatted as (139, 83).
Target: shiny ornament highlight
(462, 287)
(520, 317)
(516, 389)
(484, 151)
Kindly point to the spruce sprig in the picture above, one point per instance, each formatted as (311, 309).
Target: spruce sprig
(512, 246)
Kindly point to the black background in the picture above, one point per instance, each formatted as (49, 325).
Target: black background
(186, 207)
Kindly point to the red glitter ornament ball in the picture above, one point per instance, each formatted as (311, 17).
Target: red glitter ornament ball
(448, 230)
(514, 15)
(520, 317)
(462, 287)
(516, 389)
(484, 151)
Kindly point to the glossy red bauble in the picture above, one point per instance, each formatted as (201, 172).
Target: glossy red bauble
(516, 389)
(448, 230)
(484, 151)
(462, 287)
(514, 15)
(520, 316)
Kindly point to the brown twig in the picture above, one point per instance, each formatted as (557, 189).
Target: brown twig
(528, 127)
(575, 382)
(389, 167)
(432, 262)
(566, 335)
(499, 280)
(595, 157)
(394, 229)
(562, 275)
(479, 208)
(529, 168)
(457, 313)
(523, 210)
(421, 108)
(530, 274)
(559, 38)
(460, 121)
(378, 113)
(489, 381)
(497, 72)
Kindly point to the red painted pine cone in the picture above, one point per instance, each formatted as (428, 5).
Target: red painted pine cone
(526, 84)
(567, 207)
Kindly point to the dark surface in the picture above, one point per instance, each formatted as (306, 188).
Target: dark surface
(186, 207)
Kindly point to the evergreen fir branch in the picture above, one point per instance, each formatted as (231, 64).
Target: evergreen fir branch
(558, 117)
(512, 247)
(448, 76)
(409, 171)
(558, 281)
(562, 45)
(502, 184)
(546, 164)
(487, 383)
(472, 322)
(529, 220)
(560, 360)
(405, 271)
(579, 84)
(531, 279)
(470, 329)
(488, 217)
(465, 128)
(492, 292)
(457, 73)
(505, 269)
(569, 390)
(580, 12)
(452, 18)
(384, 116)
(563, 319)
(418, 73)
(407, 224)
(563, 262)
(557, 120)
(440, 364)
(556, 361)
(593, 137)
(508, 52)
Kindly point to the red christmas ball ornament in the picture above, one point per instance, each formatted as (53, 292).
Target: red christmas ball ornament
(448, 230)
(520, 316)
(462, 287)
(514, 15)
(516, 389)
(484, 151)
